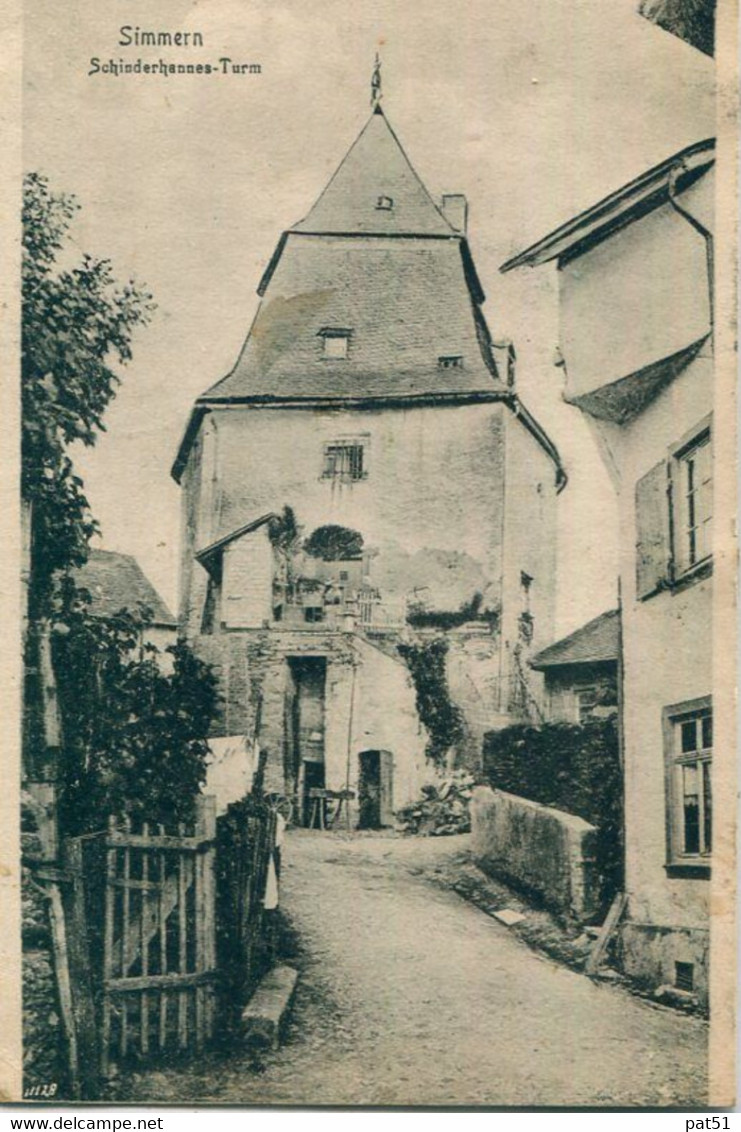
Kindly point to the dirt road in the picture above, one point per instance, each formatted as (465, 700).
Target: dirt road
(409, 995)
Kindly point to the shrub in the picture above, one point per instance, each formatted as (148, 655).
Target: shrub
(453, 618)
(135, 737)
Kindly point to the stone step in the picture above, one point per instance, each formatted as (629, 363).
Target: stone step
(265, 1013)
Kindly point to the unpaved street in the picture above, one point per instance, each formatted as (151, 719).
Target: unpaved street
(409, 995)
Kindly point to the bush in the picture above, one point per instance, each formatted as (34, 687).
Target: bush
(135, 737)
(573, 768)
(451, 619)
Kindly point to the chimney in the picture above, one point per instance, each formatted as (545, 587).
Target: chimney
(455, 211)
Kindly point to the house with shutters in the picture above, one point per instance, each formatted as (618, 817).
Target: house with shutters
(635, 281)
(366, 475)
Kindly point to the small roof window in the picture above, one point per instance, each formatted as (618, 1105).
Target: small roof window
(450, 361)
(384, 203)
(336, 340)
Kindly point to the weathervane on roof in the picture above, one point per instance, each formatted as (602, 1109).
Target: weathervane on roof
(376, 93)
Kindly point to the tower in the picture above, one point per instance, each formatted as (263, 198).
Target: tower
(371, 402)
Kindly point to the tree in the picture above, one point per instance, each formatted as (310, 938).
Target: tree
(135, 735)
(103, 719)
(333, 543)
(77, 323)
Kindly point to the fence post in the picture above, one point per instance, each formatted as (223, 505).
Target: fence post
(80, 971)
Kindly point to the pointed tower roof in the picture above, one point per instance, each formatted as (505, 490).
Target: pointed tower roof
(375, 170)
(372, 300)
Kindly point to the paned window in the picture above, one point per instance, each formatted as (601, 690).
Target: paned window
(674, 514)
(689, 741)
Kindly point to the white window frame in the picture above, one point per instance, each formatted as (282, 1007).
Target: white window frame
(678, 761)
(692, 502)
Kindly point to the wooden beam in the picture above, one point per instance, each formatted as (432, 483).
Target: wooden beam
(606, 933)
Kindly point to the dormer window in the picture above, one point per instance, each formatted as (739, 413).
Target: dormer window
(336, 341)
(384, 204)
(450, 361)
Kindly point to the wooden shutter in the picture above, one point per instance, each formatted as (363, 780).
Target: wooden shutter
(653, 532)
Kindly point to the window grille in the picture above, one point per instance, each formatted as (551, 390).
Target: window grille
(344, 461)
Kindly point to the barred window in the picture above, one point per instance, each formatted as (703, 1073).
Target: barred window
(344, 460)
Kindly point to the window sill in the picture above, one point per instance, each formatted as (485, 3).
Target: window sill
(682, 582)
(689, 870)
(694, 574)
(343, 479)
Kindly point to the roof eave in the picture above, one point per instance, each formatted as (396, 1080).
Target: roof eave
(544, 664)
(642, 194)
(208, 551)
(197, 414)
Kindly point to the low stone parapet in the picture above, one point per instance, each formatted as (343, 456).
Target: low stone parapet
(546, 851)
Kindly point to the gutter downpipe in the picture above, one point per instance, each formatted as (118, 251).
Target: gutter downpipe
(707, 235)
(535, 430)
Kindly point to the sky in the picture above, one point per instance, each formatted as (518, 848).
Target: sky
(534, 109)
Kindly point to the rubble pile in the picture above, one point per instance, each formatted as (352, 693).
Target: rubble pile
(442, 809)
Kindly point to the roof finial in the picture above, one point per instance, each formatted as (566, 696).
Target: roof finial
(376, 94)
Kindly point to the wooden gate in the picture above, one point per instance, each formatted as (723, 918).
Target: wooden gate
(246, 843)
(159, 945)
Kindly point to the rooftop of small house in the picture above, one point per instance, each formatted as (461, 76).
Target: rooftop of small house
(596, 642)
(115, 582)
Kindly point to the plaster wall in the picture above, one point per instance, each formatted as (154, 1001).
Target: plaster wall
(636, 297)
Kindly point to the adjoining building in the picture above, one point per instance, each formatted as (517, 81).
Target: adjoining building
(581, 672)
(366, 474)
(635, 276)
(117, 582)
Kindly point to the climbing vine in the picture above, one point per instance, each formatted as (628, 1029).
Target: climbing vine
(442, 718)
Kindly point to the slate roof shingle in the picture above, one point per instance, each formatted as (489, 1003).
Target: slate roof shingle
(115, 582)
(400, 279)
(375, 166)
(594, 642)
(405, 302)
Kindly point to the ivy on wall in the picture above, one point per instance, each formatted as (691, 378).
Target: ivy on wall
(451, 619)
(441, 717)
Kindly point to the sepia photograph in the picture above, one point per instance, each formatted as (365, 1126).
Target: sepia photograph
(376, 563)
